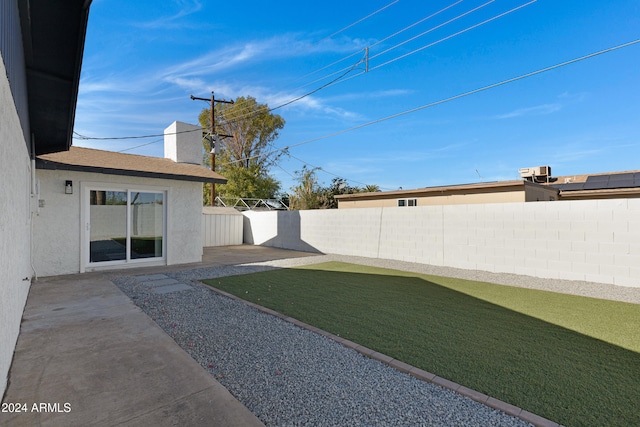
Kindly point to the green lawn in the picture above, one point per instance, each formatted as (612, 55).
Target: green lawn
(574, 360)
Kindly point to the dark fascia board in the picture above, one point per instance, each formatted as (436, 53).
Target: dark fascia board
(47, 165)
(53, 33)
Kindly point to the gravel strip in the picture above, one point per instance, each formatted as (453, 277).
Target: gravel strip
(290, 376)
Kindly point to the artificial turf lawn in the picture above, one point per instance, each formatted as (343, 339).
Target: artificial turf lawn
(574, 360)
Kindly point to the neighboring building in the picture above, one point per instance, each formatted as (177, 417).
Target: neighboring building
(100, 209)
(486, 192)
(41, 46)
(536, 185)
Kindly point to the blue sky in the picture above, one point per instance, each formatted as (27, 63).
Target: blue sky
(143, 59)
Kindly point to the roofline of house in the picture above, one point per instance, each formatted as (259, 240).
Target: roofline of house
(49, 165)
(567, 179)
(606, 193)
(52, 79)
(448, 189)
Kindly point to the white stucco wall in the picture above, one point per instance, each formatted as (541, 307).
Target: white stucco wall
(57, 227)
(15, 272)
(591, 240)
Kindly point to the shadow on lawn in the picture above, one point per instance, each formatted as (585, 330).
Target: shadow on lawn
(546, 369)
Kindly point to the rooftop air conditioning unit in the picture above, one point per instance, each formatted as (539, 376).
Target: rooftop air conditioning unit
(534, 172)
(543, 171)
(526, 172)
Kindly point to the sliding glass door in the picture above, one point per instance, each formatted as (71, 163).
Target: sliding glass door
(147, 225)
(125, 225)
(108, 232)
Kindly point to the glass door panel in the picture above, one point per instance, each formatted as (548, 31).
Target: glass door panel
(108, 218)
(147, 224)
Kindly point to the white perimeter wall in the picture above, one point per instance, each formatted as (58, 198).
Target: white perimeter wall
(592, 240)
(57, 227)
(15, 253)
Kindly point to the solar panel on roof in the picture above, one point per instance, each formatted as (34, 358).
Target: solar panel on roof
(619, 180)
(595, 185)
(627, 183)
(621, 177)
(598, 178)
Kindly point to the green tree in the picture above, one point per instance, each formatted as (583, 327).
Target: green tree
(246, 156)
(308, 194)
(341, 186)
(370, 188)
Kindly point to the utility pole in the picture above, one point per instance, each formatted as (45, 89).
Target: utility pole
(213, 137)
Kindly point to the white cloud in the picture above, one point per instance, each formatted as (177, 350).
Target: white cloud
(254, 51)
(187, 7)
(186, 83)
(538, 110)
(87, 87)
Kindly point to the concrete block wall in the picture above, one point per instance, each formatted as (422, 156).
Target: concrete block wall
(592, 240)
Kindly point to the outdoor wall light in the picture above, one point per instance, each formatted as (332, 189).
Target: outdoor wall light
(68, 187)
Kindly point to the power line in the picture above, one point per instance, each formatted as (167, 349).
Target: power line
(251, 113)
(420, 21)
(433, 43)
(442, 39)
(328, 172)
(138, 146)
(352, 67)
(347, 70)
(373, 45)
(358, 21)
(452, 98)
(475, 9)
(83, 137)
(454, 35)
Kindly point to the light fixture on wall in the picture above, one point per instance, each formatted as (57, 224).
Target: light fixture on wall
(68, 187)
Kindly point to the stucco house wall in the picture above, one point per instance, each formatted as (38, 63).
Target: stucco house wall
(451, 199)
(57, 228)
(497, 192)
(15, 252)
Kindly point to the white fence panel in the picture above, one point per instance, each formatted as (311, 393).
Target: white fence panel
(221, 227)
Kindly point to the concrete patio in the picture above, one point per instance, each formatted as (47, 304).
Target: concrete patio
(86, 355)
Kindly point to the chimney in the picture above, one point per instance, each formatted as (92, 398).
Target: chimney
(183, 143)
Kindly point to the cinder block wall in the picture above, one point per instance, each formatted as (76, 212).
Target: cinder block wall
(592, 240)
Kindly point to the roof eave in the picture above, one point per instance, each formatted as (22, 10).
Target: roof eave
(54, 34)
(49, 165)
(602, 194)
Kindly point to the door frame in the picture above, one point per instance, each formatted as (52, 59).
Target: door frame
(85, 225)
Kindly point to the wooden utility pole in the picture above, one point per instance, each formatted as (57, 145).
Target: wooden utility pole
(213, 137)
